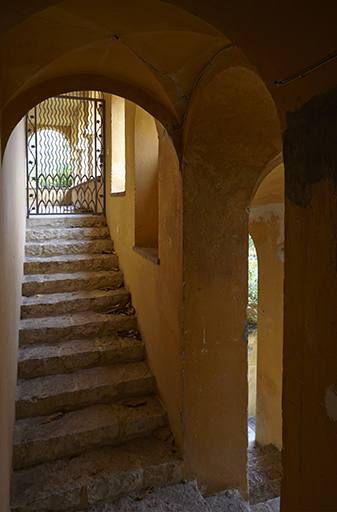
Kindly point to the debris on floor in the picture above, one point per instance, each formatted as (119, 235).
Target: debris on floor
(264, 473)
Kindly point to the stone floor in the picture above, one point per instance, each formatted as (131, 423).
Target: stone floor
(264, 477)
(185, 497)
(264, 469)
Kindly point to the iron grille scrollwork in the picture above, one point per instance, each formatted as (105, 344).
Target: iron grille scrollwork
(66, 155)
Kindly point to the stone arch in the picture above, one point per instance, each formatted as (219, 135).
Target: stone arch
(21, 104)
(73, 47)
(233, 133)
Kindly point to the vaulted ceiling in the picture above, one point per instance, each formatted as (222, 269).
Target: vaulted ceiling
(154, 52)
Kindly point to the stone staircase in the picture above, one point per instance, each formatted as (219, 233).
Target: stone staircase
(86, 404)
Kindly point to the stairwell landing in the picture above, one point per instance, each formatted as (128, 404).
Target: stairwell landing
(86, 404)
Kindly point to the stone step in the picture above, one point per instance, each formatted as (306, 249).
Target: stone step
(46, 234)
(84, 429)
(65, 221)
(41, 284)
(47, 249)
(70, 263)
(181, 497)
(70, 302)
(104, 474)
(71, 391)
(70, 356)
(87, 324)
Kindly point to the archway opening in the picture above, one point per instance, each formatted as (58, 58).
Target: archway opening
(252, 316)
(266, 226)
(65, 155)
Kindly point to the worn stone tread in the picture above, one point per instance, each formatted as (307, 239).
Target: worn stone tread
(68, 247)
(72, 362)
(87, 324)
(71, 221)
(69, 302)
(100, 475)
(181, 497)
(76, 431)
(229, 501)
(70, 391)
(34, 284)
(69, 356)
(82, 233)
(65, 263)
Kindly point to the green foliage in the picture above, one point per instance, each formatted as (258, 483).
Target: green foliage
(59, 179)
(252, 283)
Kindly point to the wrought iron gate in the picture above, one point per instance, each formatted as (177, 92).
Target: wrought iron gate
(65, 155)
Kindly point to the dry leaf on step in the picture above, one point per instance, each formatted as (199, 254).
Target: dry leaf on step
(106, 252)
(107, 288)
(124, 302)
(53, 417)
(163, 434)
(114, 268)
(134, 402)
(103, 343)
(129, 334)
(145, 493)
(39, 296)
(171, 439)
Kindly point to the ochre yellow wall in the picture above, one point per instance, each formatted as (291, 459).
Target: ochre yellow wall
(229, 135)
(12, 232)
(156, 288)
(223, 163)
(266, 226)
(146, 180)
(252, 369)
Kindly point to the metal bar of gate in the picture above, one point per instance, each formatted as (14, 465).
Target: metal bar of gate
(36, 164)
(61, 182)
(103, 158)
(27, 173)
(95, 153)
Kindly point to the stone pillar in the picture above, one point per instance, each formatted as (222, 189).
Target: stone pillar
(310, 327)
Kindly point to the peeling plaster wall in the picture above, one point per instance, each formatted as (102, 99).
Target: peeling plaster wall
(310, 349)
(156, 288)
(12, 233)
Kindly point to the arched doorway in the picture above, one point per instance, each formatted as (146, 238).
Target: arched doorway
(266, 225)
(65, 155)
(252, 319)
(224, 162)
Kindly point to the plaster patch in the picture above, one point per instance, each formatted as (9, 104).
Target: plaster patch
(266, 213)
(331, 402)
(280, 252)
